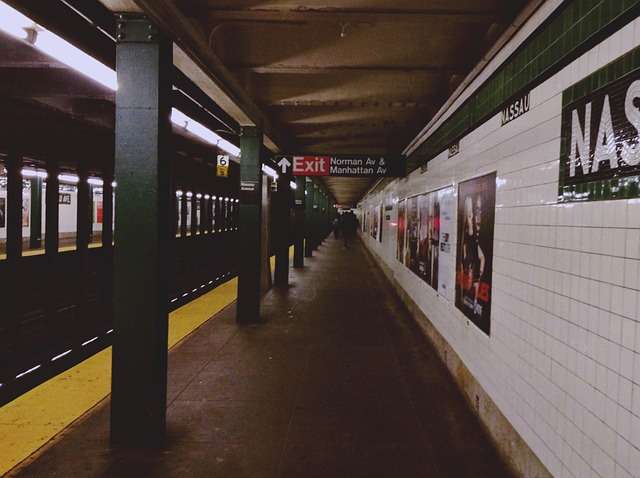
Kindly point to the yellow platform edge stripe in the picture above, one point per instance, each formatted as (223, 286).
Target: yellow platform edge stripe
(34, 418)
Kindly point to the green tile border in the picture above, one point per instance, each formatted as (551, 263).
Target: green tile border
(570, 31)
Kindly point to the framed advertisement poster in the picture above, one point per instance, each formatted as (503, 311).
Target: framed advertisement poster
(474, 258)
(447, 207)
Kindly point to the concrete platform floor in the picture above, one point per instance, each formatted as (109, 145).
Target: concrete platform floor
(338, 382)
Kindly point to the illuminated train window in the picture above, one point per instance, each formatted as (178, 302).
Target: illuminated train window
(189, 199)
(67, 212)
(97, 211)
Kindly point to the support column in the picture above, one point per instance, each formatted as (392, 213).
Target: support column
(52, 209)
(248, 303)
(298, 222)
(317, 200)
(143, 153)
(35, 236)
(14, 206)
(83, 212)
(283, 230)
(184, 210)
(309, 214)
(194, 214)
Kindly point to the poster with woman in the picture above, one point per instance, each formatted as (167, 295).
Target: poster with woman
(474, 259)
(402, 230)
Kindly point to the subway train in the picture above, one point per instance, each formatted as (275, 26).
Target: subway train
(56, 269)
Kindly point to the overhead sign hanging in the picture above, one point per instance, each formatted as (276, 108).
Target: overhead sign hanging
(222, 166)
(347, 166)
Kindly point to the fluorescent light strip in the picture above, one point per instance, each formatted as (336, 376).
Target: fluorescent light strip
(16, 24)
(192, 126)
(269, 171)
(68, 178)
(95, 181)
(57, 357)
(89, 341)
(32, 369)
(33, 173)
(293, 185)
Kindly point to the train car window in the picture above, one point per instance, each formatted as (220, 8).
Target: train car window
(33, 210)
(198, 202)
(67, 212)
(189, 199)
(3, 210)
(97, 211)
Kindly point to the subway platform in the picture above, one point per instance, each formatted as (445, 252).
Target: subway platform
(337, 382)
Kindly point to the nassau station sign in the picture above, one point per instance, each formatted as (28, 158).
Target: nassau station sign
(345, 166)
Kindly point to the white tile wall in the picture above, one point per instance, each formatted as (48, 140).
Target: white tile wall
(563, 360)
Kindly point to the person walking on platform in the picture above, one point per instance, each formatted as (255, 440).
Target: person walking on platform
(349, 226)
(336, 226)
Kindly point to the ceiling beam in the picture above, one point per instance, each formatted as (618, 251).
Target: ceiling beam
(359, 105)
(348, 15)
(332, 69)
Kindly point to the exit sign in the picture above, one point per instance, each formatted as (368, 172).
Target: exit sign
(311, 165)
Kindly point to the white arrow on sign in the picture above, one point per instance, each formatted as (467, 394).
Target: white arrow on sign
(284, 164)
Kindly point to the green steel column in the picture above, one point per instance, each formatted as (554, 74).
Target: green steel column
(35, 236)
(52, 209)
(184, 210)
(282, 211)
(298, 221)
(309, 217)
(143, 153)
(248, 303)
(82, 212)
(14, 206)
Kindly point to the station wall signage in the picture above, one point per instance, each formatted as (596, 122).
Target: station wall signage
(600, 143)
(348, 166)
(516, 108)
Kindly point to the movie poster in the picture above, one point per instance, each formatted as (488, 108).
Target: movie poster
(402, 230)
(476, 215)
(411, 249)
(3, 212)
(446, 266)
